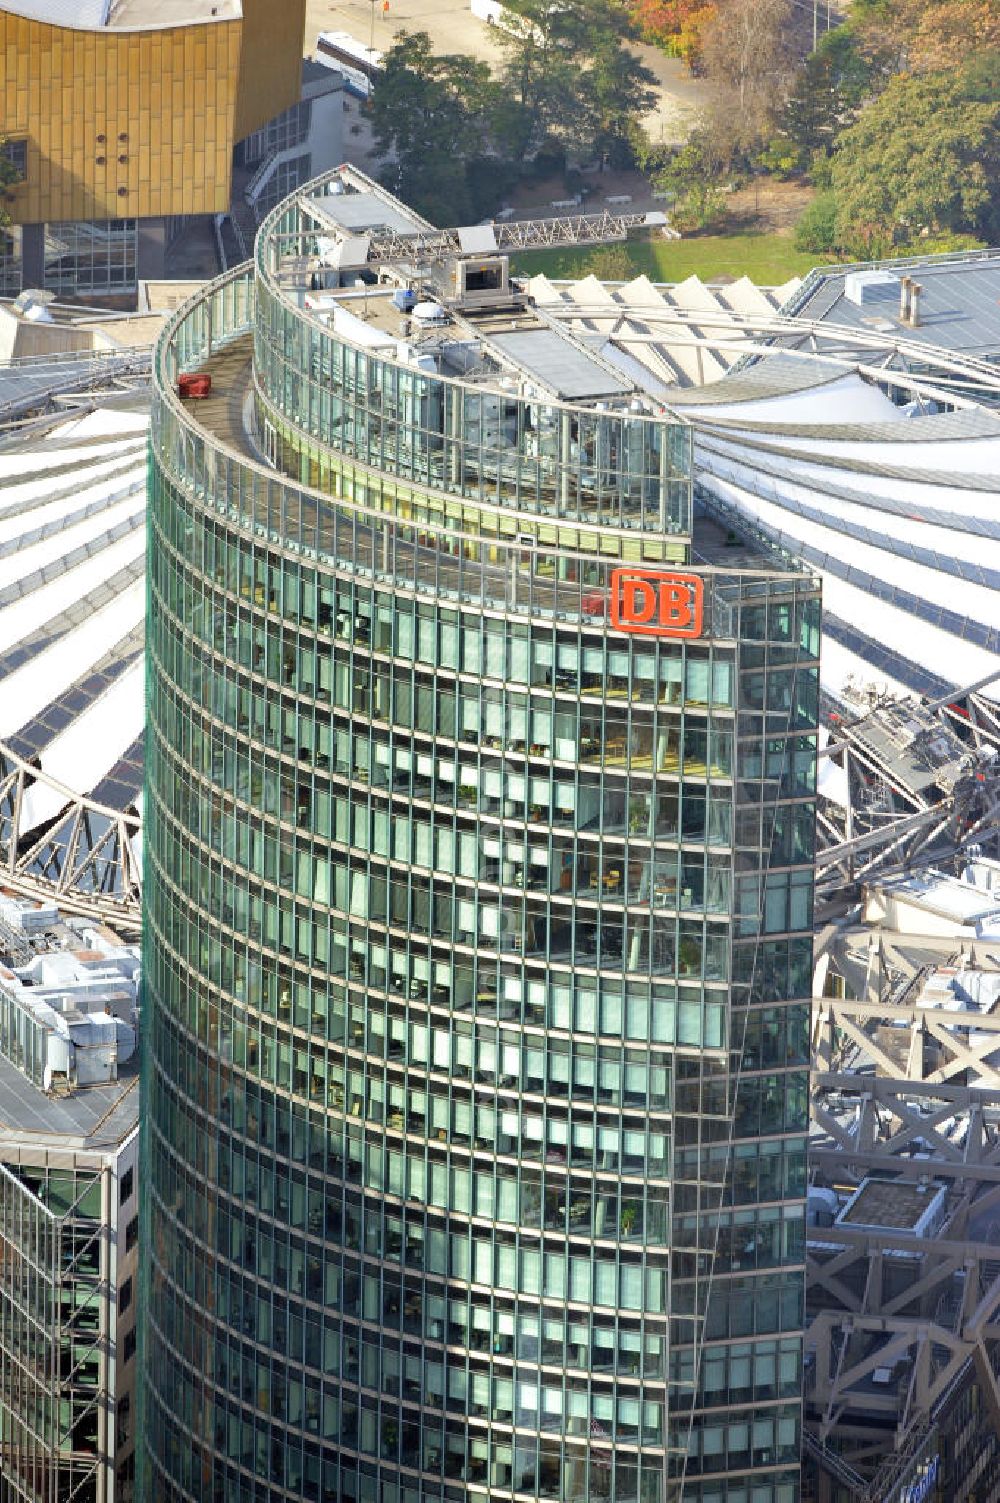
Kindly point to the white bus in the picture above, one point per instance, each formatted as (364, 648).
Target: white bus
(359, 64)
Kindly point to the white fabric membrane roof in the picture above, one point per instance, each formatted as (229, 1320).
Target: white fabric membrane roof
(846, 460)
(72, 607)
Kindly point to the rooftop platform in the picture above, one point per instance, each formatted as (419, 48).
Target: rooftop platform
(225, 415)
(59, 967)
(893, 1204)
(97, 1117)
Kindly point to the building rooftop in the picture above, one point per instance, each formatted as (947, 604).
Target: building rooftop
(124, 15)
(72, 607)
(127, 15)
(558, 366)
(716, 546)
(892, 1204)
(915, 748)
(96, 1117)
(959, 301)
(67, 979)
(677, 338)
(965, 906)
(361, 211)
(53, 342)
(317, 78)
(960, 989)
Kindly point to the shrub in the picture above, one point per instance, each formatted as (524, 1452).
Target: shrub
(817, 229)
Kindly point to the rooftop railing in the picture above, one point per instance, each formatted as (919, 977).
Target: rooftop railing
(362, 537)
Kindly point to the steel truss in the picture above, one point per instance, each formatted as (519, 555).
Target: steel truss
(518, 234)
(893, 821)
(79, 379)
(898, 1322)
(86, 858)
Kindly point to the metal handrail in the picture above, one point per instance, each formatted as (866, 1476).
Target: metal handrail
(833, 1463)
(407, 553)
(76, 379)
(78, 357)
(261, 172)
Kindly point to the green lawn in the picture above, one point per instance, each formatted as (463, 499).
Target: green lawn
(766, 259)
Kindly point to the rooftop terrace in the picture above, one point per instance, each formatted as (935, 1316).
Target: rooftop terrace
(224, 415)
(98, 1117)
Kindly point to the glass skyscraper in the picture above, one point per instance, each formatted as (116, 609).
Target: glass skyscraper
(479, 833)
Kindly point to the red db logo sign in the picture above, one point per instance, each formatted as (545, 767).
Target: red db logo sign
(660, 605)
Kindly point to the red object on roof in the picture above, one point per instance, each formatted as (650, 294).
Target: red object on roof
(194, 386)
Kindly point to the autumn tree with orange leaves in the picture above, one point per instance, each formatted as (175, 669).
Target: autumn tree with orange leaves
(675, 25)
(925, 36)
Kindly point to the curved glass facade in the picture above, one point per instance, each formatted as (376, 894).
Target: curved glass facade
(514, 450)
(477, 941)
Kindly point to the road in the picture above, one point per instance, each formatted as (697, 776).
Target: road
(453, 28)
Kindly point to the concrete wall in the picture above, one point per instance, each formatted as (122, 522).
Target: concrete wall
(20, 337)
(326, 135)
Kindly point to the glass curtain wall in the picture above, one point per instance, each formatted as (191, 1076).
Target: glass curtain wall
(10, 261)
(91, 255)
(53, 1292)
(477, 945)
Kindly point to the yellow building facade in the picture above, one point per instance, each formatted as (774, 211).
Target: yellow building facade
(131, 113)
(270, 64)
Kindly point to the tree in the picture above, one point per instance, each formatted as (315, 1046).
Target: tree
(925, 36)
(817, 229)
(750, 51)
(949, 32)
(693, 175)
(436, 118)
(923, 158)
(829, 91)
(674, 25)
(981, 76)
(620, 91)
(568, 70)
(610, 263)
(882, 30)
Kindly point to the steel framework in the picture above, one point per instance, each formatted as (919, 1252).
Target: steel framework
(518, 234)
(55, 1326)
(906, 1088)
(922, 784)
(87, 857)
(45, 383)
